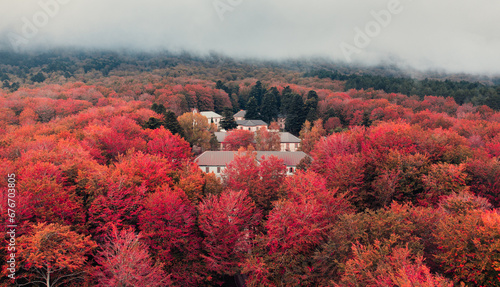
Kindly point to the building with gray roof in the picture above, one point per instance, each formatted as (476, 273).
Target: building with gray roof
(240, 115)
(251, 125)
(216, 161)
(288, 141)
(212, 117)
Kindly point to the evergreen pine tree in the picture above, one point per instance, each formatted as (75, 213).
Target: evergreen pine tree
(258, 92)
(214, 143)
(286, 97)
(252, 110)
(311, 106)
(269, 109)
(228, 122)
(276, 94)
(38, 78)
(153, 123)
(170, 123)
(159, 109)
(219, 85)
(296, 115)
(169, 120)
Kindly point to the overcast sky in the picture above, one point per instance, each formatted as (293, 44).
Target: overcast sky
(454, 35)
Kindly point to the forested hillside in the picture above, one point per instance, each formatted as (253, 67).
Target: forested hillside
(461, 91)
(403, 188)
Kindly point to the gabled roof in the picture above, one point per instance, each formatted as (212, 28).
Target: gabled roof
(289, 138)
(210, 114)
(251, 123)
(221, 158)
(215, 158)
(285, 137)
(241, 114)
(289, 158)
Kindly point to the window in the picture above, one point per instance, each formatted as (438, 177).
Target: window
(291, 170)
(218, 169)
(207, 169)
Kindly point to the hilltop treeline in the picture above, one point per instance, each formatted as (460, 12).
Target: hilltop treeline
(462, 91)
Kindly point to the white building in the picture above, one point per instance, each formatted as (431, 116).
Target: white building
(289, 142)
(212, 117)
(251, 125)
(239, 116)
(216, 161)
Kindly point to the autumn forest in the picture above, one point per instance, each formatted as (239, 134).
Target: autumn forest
(99, 179)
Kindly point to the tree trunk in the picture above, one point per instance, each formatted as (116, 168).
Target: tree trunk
(48, 276)
(240, 279)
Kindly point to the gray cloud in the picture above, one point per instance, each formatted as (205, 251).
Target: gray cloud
(455, 36)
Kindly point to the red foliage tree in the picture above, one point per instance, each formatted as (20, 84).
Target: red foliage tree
(87, 93)
(142, 170)
(468, 247)
(43, 196)
(200, 97)
(266, 140)
(388, 113)
(54, 255)
(118, 195)
(390, 136)
(192, 181)
(485, 178)
(332, 124)
(120, 135)
(64, 108)
(174, 148)
(125, 261)
(297, 223)
(168, 223)
(272, 172)
(7, 116)
(27, 117)
(235, 139)
(311, 135)
(382, 265)
(228, 222)
(243, 172)
(297, 226)
(443, 179)
(463, 202)
(120, 207)
(444, 145)
(260, 178)
(338, 159)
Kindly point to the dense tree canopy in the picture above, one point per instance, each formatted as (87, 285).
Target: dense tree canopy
(401, 187)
